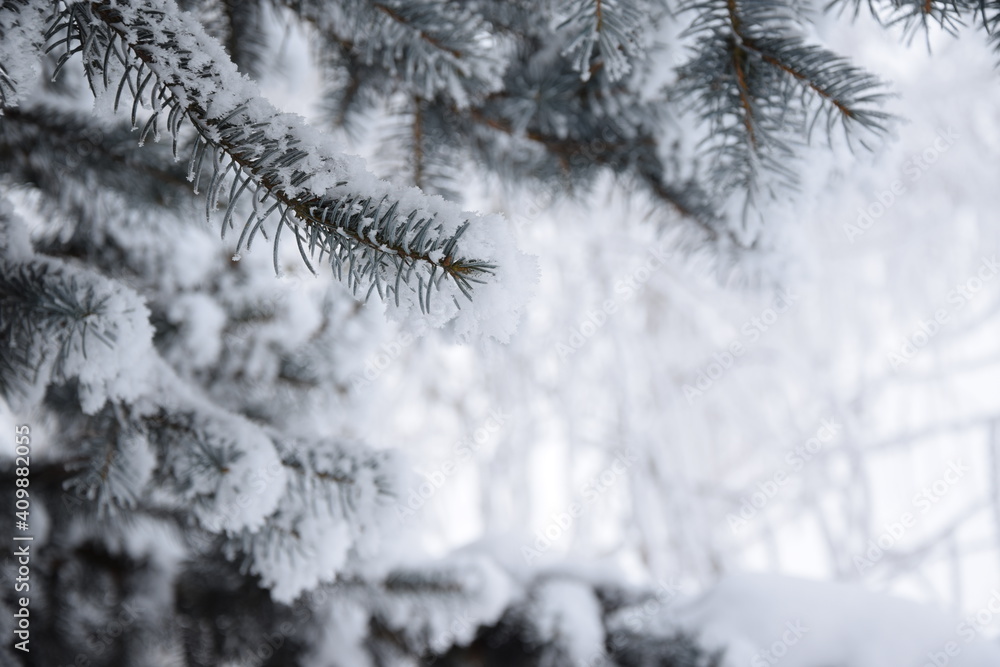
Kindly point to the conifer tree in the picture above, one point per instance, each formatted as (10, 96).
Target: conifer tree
(191, 398)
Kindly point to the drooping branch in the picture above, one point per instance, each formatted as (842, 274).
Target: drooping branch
(377, 237)
(761, 89)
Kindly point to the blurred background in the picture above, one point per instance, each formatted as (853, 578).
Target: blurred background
(624, 354)
(824, 405)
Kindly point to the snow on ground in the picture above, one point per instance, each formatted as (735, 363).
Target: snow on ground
(768, 620)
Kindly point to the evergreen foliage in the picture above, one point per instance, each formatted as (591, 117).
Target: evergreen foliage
(189, 411)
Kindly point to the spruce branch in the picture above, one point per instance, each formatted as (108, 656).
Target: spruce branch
(351, 87)
(418, 148)
(426, 47)
(56, 323)
(989, 15)
(637, 156)
(914, 15)
(397, 15)
(376, 239)
(21, 26)
(114, 463)
(46, 147)
(762, 89)
(336, 496)
(843, 93)
(415, 606)
(605, 29)
(538, 101)
(245, 34)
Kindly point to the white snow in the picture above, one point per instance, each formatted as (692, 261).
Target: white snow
(451, 619)
(566, 612)
(13, 233)
(200, 321)
(232, 476)
(22, 25)
(332, 508)
(768, 620)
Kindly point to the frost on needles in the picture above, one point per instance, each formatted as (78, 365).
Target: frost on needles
(211, 448)
(412, 249)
